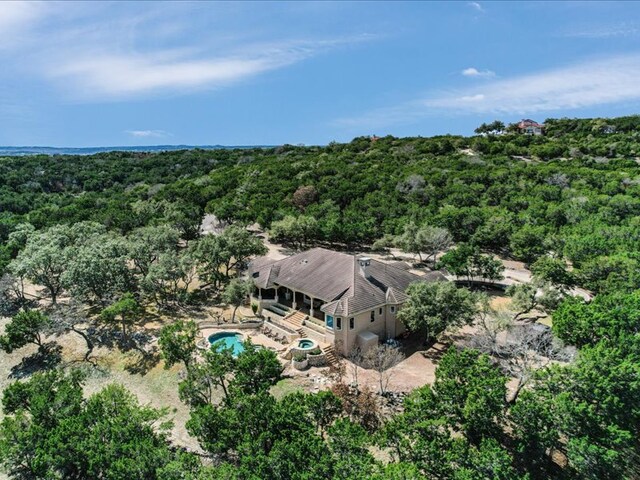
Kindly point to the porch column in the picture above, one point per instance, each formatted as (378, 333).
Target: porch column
(294, 304)
(259, 293)
(276, 297)
(311, 307)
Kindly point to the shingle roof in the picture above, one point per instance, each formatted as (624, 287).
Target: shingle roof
(527, 122)
(335, 278)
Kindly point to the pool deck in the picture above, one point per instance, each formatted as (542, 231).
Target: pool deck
(255, 336)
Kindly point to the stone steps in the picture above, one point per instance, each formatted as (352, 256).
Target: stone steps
(295, 319)
(330, 355)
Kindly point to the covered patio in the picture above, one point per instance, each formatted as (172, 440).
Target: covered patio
(291, 298)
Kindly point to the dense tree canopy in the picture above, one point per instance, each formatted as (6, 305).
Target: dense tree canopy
(433, 307)
(572, 192)
(118, 230)
(51, 431)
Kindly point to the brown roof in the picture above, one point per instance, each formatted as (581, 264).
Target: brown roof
(336, 279)
(527, 122)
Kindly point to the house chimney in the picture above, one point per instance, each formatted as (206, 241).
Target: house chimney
(364, 263)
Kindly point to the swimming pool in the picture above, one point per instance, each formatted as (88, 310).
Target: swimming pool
(231, 340)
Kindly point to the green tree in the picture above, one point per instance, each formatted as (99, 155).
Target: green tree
(588, 410)
(528, 243)
(26, 327)
(185, 218)
(408, 241)
(527, 297)
(255, 370)
(450, 429)
(210, 258)
(126, 311)
(471, 393)
(238, 246)
(535, 431)
(324, 409)
(97, 271)
(610, 274)
(611, 317)
(18, 238)
(467, 261)
(297, 231)
(554, 271)
(433, 307)
(146, 244)
(203, 378)
(47, 254)
(43, 261)
(169, 279)
(494, 234)
(177, 343)
(425, 239)
(493, 128)
(51, 431)
(236, 293)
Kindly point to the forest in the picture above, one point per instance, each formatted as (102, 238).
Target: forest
(572, 192)
(119, 231)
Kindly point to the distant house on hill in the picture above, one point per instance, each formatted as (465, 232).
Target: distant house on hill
(336, 298)
(530, 127)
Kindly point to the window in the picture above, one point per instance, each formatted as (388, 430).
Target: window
(338, 323)
(380, 311)
(352, 323)
(393, 309)
(373, 315)
(329, 321)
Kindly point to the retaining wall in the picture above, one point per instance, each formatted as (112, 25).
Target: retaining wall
(231, 326)
(275, 328)
(317, 360)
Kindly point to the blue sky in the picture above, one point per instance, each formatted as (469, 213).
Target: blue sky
(127, 73)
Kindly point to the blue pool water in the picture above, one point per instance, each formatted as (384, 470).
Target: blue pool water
(306, 343)
(231, 340)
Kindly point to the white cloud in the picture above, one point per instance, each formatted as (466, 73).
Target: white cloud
(120, 75)
(123, 75)
(474, 72)
(148, 133)
(16, 18)
(114, 51)
(478, 97)
(624, 29)
(476, 6)
(587, 84)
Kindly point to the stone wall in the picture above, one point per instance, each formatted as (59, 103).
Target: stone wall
(317, 360)
(230, 326)
(277, 329)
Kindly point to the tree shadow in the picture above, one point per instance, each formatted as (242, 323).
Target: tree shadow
(144, 361)
(46, 358)
(436, 351)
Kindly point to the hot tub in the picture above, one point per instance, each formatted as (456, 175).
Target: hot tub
(306, 344)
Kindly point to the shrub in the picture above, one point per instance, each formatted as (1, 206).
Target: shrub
(299, 357)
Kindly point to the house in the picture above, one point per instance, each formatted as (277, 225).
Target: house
(346, 299)
(530, 127)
